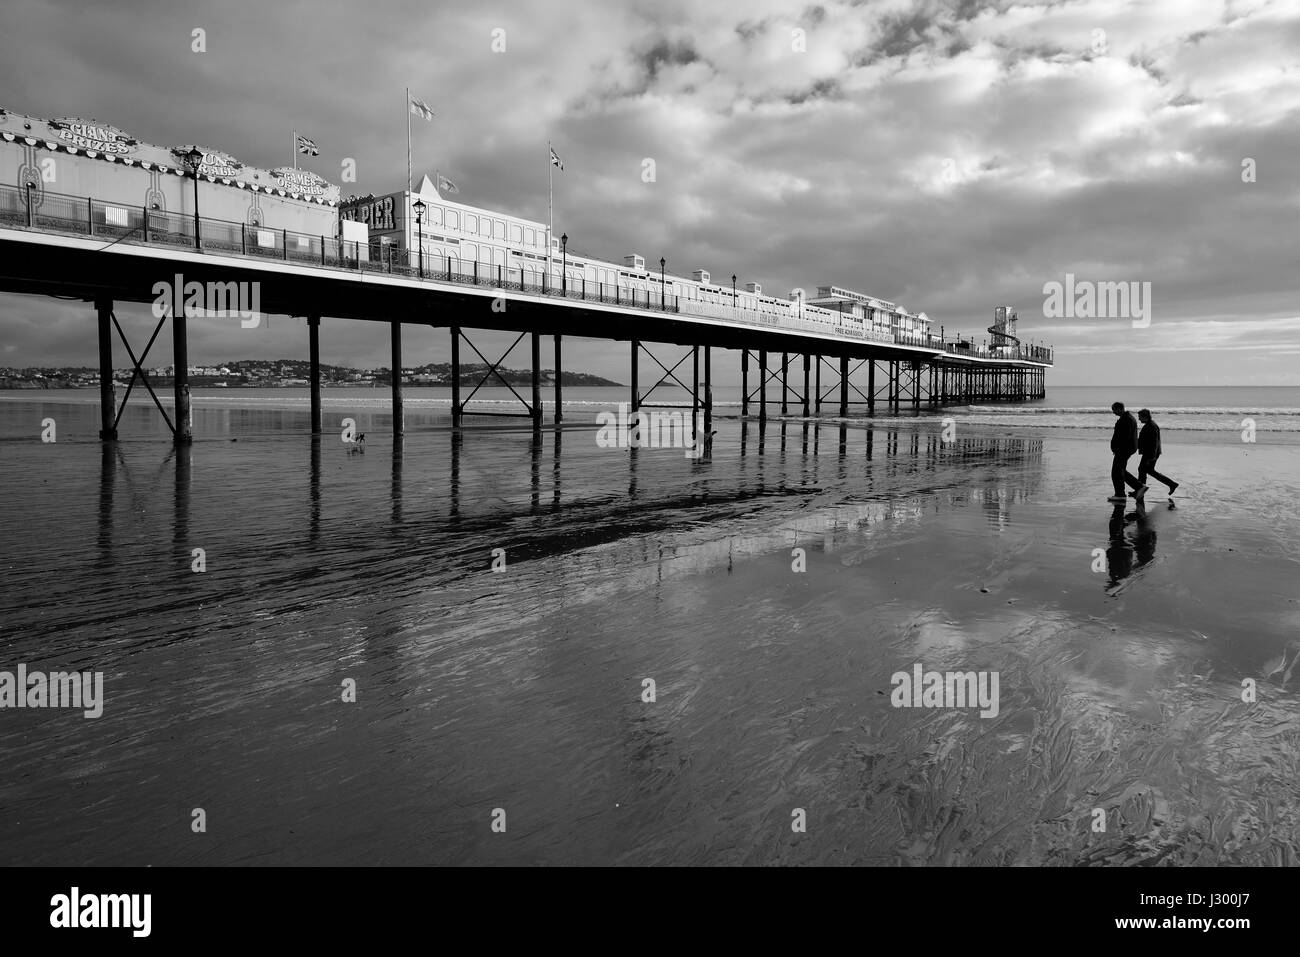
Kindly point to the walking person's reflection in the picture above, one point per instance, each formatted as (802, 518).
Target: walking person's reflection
(1126, 545)
(1119, 553)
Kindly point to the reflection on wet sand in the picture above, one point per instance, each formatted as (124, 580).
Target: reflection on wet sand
(523, 689)
(1132, 535)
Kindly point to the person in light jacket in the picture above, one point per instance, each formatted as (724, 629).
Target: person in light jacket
(1149, 448)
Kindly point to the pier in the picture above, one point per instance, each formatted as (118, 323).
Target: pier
(105, 253)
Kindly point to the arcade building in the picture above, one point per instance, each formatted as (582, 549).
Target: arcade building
(73, 157)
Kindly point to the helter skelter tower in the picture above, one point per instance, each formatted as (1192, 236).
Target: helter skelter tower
(1003, 330)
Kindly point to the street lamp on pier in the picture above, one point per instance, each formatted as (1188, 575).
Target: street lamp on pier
(193, 162)
(663, 288)
(733, 290)
(564, 265)
(418, 206)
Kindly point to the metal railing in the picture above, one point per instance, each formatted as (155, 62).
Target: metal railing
(117, 222)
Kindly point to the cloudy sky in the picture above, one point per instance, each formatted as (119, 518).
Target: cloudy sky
(948, 156)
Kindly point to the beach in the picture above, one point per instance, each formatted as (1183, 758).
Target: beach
(523, 690)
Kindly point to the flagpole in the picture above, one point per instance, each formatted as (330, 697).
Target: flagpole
(408, 139)
(550, 203)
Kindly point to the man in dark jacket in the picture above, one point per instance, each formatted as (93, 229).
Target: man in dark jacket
(1149, 446)
(1123, 443)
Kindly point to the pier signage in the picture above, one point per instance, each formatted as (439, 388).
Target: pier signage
(215, 164)
(304, 183)
(375, 213)
(96, 137)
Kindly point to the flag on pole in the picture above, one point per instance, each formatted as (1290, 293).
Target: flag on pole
(420, 108)
(306, 146)
(446, 186)
(555, 160)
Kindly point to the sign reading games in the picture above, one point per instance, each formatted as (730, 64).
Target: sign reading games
(304, 183)
(94, 136)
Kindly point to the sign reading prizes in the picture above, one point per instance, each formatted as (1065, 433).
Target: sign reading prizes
(92, 136)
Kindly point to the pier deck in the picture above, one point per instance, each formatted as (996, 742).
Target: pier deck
(82, 248)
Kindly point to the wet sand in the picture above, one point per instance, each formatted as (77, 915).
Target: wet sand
(1120, 689)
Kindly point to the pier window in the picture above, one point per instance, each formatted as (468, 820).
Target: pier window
(530, 237)
(471, 223)
(453, 219)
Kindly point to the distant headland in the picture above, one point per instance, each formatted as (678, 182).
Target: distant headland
(277, 373)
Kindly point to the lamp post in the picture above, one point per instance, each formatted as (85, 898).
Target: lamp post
(663, 287)
(194, 160)
(418, 206)
(564, 265)
(733, 290)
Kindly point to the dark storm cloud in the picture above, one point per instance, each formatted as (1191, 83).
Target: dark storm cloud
(666, 52)
(822, 89)
(901, 34)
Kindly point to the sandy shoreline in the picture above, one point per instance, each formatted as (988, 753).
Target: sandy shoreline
(1120, 689)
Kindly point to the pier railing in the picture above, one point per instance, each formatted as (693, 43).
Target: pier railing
(117, 222)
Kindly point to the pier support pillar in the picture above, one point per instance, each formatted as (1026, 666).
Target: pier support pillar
(807, 362)
(762, 385)
(559, 395)
(817, 400)
(708, 396)
(537, 381)
(636, 395)
(844, 386)
(313, 358)
(695, 386)
(871, 387)
(107, 397)
(181, 381)
(399, 419)
(785, 383)
(455, 377)
(744, 382)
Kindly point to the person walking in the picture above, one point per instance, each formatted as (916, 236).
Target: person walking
(1123, 443)
(1149, 448)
